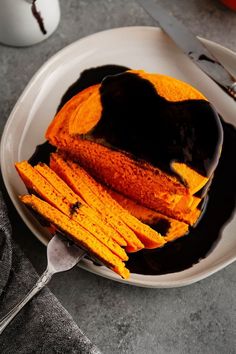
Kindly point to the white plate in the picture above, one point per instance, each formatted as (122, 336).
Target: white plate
(145, 48)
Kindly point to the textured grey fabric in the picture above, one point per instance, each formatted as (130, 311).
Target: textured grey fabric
(43, 326)
(5, 245)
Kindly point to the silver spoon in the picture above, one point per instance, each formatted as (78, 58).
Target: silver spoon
(61, 256)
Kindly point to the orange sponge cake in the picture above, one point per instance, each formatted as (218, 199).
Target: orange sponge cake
(88, 207)
(80, 236)
(170, 228)
(97, 197)
(143, 135)
(73, 198)
(76, 212)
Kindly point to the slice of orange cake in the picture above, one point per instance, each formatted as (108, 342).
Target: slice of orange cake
(97, 197)
(77, 233)
(169, 228)
(39, 185)
(73, 198)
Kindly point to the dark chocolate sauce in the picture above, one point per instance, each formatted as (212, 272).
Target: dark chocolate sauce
(162, 226)
(74, 207)
(90, 77)
(188, 250)
(206, 58)
(38, 17)
(40, 219)
(42, 154)
(186, 131)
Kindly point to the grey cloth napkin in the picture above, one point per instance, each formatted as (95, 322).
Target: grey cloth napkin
(43, 326)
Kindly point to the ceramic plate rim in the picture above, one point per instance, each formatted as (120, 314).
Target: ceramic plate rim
(138, 280)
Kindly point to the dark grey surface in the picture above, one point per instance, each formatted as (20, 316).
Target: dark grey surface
(200, 318)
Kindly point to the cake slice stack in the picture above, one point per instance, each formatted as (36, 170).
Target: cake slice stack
(75, 204)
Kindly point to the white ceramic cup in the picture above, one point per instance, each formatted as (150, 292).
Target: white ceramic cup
(18, 26)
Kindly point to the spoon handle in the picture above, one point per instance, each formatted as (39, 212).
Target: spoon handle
(42, 281)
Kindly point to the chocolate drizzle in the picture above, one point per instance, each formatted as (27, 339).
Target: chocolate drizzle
(206, 58)
(88, 78)
(137, 120)
(38, 17)
(74, 207)
(188, 250)
(42, 154)
(219, 205)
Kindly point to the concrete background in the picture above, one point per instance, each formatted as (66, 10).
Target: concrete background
(200, 318)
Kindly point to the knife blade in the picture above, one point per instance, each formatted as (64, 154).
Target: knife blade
(191, 46)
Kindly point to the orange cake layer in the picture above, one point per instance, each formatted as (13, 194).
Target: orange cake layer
(77, 233)
(174, 228)
(106, 170)
(79, 180)
(194, 180)
(172, 89)
(104, 164)
(150, 238)
(62, 169)
(119, 165)
(164, 193)
(34, 181)
(69, 108)
(119, 171)
(91, 108)
(73, 198)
